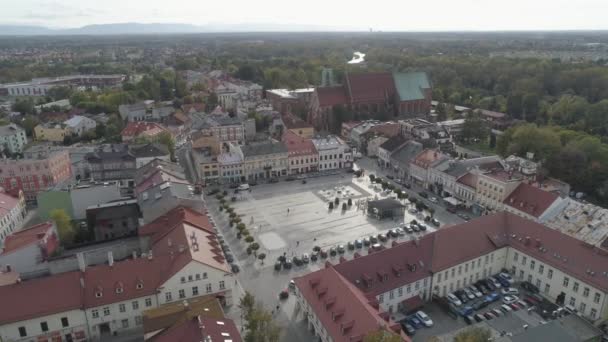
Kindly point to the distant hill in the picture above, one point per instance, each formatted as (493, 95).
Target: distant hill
(160, 28)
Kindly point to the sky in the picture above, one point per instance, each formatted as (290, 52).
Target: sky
(387, 15)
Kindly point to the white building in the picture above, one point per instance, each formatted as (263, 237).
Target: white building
(333, 153)
(13, 138)
(12, 213)
(79, 124)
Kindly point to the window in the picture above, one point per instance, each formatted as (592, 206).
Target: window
(572, 301)
(417, 285)
(409, 288)
(198, 276)
(205, 275)
(64, 322)
(479, 262)
(596, 298)
(521, 274)
(381, 298)
(593, 313)
(550, 274)
(529, 278)
(566, 281)
(391, 294)
(400, 291)
(135, 305)
(208, 288)
(439, 278)
(547, 288)
(523, 260)
(586, 292)
(194, 291)
(182, 294)
(95, 313)
(125, 323)
(148, 302)
(532, 264)
(222, 285)
(453, 272)
(122, 308)
(541, 268)
(515, 256)
(44, 326)
(466, 268)
(22, 332)
(190, 278)
(538, 283)
(106, 311)
(183, 279)
(168, 297)
(582, 308)
(138, 320)
(575, 287)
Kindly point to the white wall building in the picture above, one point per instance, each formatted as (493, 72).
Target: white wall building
(12, 213)
(333, 153)
(13, 138)
(79, 124)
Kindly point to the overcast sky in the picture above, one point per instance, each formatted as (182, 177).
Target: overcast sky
(400, 15)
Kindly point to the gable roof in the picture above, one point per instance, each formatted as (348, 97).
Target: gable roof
(344, 312)
(371, 86)
(331, 96)
(136, 128)
(410, 86)
(25, 237)
(201, 328)
(407, 152)
(393, 143)
(149, 150)
(259, 149)
(530, 199)
(296, 145)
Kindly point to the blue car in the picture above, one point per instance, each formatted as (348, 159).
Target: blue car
(415, 322)
(492, 297)
(504, 282)
(465, 311)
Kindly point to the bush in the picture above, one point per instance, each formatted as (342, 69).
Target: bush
(249, 239)
(231, 224)
(378, 180)
(232, 214)
(225, 193)
(237, 219)
(230, 210)
(350, 202)
(372, 178)
(249, 250)
(245, 232)
(254, 246)
(337, 201)
(240, 227)
(239, 235)
(221, 209)
(344, 206)
(331, 205)
(262, 256)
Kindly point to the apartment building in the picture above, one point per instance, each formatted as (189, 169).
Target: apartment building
(265, 160)
(333, 153)
(12, 138)
(12, 213)
(303, 156)
(494, 187)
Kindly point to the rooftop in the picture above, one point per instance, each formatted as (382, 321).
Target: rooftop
(428, 157)
(331, 96)
(584, 221)
(393, 143)
(149, 150)
(297, 145)
(202, 328)
(27, 236)
(410, 86)
(10, 129)
(264, 148)
(168, 315)
(530, 200)
(293, 122)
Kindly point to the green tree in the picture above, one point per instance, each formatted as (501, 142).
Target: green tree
(29, 123)
(64, 225)
(474, 128)
(259, 323)
(60, 93)
(24, 106)
(473, 335)
(166, 139)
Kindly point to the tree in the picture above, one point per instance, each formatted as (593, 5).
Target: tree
(24, 106)
(29, 123)
(474, 128)
(473, 335)
(60, 93)
(331, 205)
(344, 206)
(372, 177)
(442, 113)
(260, 326)
(64, 225)
(382, 335)
(336, 201)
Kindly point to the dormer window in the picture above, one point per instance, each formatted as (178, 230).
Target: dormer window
(98, 294)
(139, 286)
(119, 290)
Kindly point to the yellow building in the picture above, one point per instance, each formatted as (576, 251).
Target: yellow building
(51, 132)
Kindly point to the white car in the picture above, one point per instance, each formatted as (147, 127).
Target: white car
(510, 291)
(495, 282)
(510, 299)
(453, 299)
(424, 318)
(506, 308)
(469, 293)
(475, 291)
(433, 199)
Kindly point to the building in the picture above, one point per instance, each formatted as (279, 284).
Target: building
(98, 302)
(374, 95)
(386, 150)
(113, 162)
(290, 101)
(231, 164)
(146, 111)
(12, 213)
(206, 140)
(12, 138)
(51, 131)
(226, 129)
(333, 153)
(373, 145)
(494, 186)
(155, 172)
(385, 208)
(444, 175)
(426, 131)
(145, 153)
(401, 158)
(27, 251)
(78, 124)
(453, 127)
(347, 127)
(41, 86)
(160, 198)
(297, 126)
(421, 165)
(133, 130)
(40, 169)
(62, 105)
(303, 156)
(110, 220)
(265, 160)
(206, 165)
(533, 203)
(584, 221)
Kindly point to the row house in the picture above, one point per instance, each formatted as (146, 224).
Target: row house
(494, 187)
(265, 160)
(444, 175)
(403, 277)
(225, 128)
(181, 262)
(12, 213)
(231, 164)
(113, 163)
(400, 159)
(388, 148)
(41, 168)
(303, 156)
(333, 153)
(144, 129)
(422, 164)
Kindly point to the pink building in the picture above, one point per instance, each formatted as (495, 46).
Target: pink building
(303, 156)
(41, 169)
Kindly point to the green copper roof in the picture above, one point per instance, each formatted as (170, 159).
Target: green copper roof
(410, 84)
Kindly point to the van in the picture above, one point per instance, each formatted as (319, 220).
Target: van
(243, 187)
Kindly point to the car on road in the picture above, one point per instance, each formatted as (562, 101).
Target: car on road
(509, 291)
(408, 328)
(390, 177)
(287, 265)
(435, 222)
(297, 261)
(235, 268)
(233, 186)
(341, 249)
(213, 192)
(358, 243)
(278, 265)
(423, 194)
(305, 258)
(243, 187)
(314, 256)
(453, 299)
(290, 178)
(424, 318)
(434, 200)
(350, 245)
(366, 241)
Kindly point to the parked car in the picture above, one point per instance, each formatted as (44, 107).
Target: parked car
(400, 231)
(273, 180)
(350, 245)
(278, 265)
(229, 258)
(414, 227)
(382, 237)
(235, 268)
(469, 319)
(332, 251)
(495, 282)
(475, 291)
(506, 276)
(434, 200)
(373, 239)
(508, 299)
(407, 185)
(480, 305)
(451, 210)
(314, 256)
(479, 318)
(408, 229)
(489, 315)
(461, 295)
(466, 310)
(514, 306)
(366, 241)
(505, 308)
(408, 328)
(358, 243)
(424, 318)
(435, 222)
(469, 293)
(415, 322)
(528, 286)
(492, 297)
(297, 261)
(509, 291)
(422, 227)
(305, 258)
(497, 312)
(453, 299)
(287, 265)
(341, 249)
(323, 254)
(423, 194)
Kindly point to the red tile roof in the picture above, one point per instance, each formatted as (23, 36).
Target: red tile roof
(134, 129)
(173, 218)
(27, 236)
(427, 157)
(7, 203)
(197, 107)
(340, 307)
(530, 199)
(390, 268)
(293, 122)
(297, 146)
(365, 87)
(468, 179)
(40, 297)
(199, 329)
(331, 96)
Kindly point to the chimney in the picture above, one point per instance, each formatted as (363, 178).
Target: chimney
(110, 258)
(150, 257)
(537, 242)
(81, 263)
(527, 240)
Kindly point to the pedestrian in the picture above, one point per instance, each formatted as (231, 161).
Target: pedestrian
(287, 211)
(297, 243)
